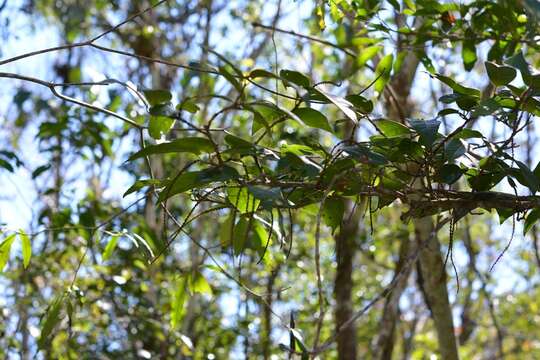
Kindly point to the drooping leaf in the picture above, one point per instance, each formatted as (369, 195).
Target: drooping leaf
(468, 53)
(342, 104)
(178, 300)
(5, 248)
(382, 72)
(111, 245)
(313, 118)
(199, 284)
(333, 211)
(242, 199)
(26, 247)
(194, 145)
(532, 218)
(51, 319)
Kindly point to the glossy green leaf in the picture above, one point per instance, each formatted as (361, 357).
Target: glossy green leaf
(460, 89)
(360, 103)
(295, 77)
(5, 249)
(500, 74)
(313, 118)
(194, 145)
(391, 128)
(26, 247)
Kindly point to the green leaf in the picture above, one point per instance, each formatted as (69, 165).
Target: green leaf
(261, 73)
(500, 74)
(139, 184)
(189, 106)
(360, 103)
(159, 125)
(226, 230)
(199, 284)
(157, 97)
(453, 149)
(231, 78)
(365, 155)
(427, 129)
(531, 181)
(505, 214)
(295, 77)
(367, 54)
(468, 53)
(313, 118)
(194, 145)
(341, 103)
(468, 134)
(111, 245)
(5, 248)
(195, 179)
(26, 246)
(449, 173)
(240, 235)
(51, 319)
(382, 72)
(333, 210)
(460, 89)
(391, 128)
(242, 200)
(518, 61)
(531, 219)
(177, 302)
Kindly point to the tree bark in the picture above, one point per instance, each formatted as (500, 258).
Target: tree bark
(345, 250)
(387, 326)
(434, 283)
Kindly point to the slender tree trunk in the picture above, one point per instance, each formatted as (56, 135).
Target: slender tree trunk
(346, 245)
(434, 283)
(387, 326)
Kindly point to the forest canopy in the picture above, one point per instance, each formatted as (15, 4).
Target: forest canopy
(213, 179)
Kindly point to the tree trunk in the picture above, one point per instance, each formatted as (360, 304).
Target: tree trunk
(434, 283)
(387, 326)
(343, 284)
